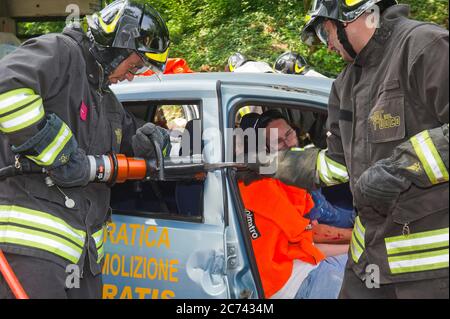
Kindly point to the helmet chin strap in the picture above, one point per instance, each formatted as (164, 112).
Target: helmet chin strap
(342, 36)
(108, 58)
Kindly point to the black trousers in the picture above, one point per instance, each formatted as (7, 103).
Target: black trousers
(42, 279)
(355, 288)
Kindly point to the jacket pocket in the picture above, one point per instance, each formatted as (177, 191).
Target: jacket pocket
(419, 203)
(418, 246)
(387, 118)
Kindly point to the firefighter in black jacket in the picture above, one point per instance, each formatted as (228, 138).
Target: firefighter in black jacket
(388, 136)
(56, 107)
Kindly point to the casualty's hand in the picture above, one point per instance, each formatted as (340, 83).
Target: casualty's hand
(379, 187)
(142, 141)
(75, 173)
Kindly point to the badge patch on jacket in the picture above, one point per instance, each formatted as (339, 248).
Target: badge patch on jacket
(252, 225)
(387, 120)
(83, 111)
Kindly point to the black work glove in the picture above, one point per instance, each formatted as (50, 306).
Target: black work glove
(142, 141)
(75, 173)
(379, 187)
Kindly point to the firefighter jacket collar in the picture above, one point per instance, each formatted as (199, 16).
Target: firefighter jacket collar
(373, 52)
(94, 71)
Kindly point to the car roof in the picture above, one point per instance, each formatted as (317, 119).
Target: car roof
(191, 81)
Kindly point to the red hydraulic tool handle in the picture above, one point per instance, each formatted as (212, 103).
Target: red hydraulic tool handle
(11, 278)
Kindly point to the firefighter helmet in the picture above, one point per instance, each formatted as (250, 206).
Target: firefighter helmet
(127, 26)
(290, 63)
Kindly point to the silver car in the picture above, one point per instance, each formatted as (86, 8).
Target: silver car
(186, 236)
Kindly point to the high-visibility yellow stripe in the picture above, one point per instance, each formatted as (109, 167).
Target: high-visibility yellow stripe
(430, 158)
(37, 219)
(158, 57)
(359, 232)
(15, 99)
(298, 69)
(331, 172)
(22, 118)
(48, 155)
(351, 3)
(355, 249)
(245, 110)
(40, 240)
(307, 18)
(98, 237)
(417, 241)
(109, 28)
(419, 262)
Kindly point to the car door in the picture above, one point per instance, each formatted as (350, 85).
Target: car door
(261, 93)
(158, 245)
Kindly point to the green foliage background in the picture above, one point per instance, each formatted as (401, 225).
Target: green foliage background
(207, 32)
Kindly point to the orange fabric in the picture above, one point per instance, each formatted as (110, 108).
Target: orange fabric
(173, 66)
(278, 211)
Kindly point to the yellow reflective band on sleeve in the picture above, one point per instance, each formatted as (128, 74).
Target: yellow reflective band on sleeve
(22, 118)
(158, 57)
(307, 18)
(331, 172)
(15, 99)
(418, 252)
(48, 155)
(430, 158)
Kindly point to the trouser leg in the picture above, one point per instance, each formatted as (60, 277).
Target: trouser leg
(355, 288)
(41, 279)
(423, 289)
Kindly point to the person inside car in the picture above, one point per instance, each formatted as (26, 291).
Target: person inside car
(291, 265)
(323, 212)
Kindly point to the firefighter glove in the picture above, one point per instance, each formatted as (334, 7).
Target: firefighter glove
(146, 137)
(75, 173)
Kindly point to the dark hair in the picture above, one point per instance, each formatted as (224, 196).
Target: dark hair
(267, 117)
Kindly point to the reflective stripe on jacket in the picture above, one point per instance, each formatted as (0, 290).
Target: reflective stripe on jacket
(396, 88)
(56, 73)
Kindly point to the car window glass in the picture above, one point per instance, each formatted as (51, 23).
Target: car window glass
(181, 200)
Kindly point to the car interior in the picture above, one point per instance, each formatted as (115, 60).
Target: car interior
(310, 128)
(180, 200)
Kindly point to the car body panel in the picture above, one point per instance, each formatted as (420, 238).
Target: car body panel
(211, 258)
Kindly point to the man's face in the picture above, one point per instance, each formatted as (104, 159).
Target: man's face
(125, 69)
(286, 139)
(333, 42)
